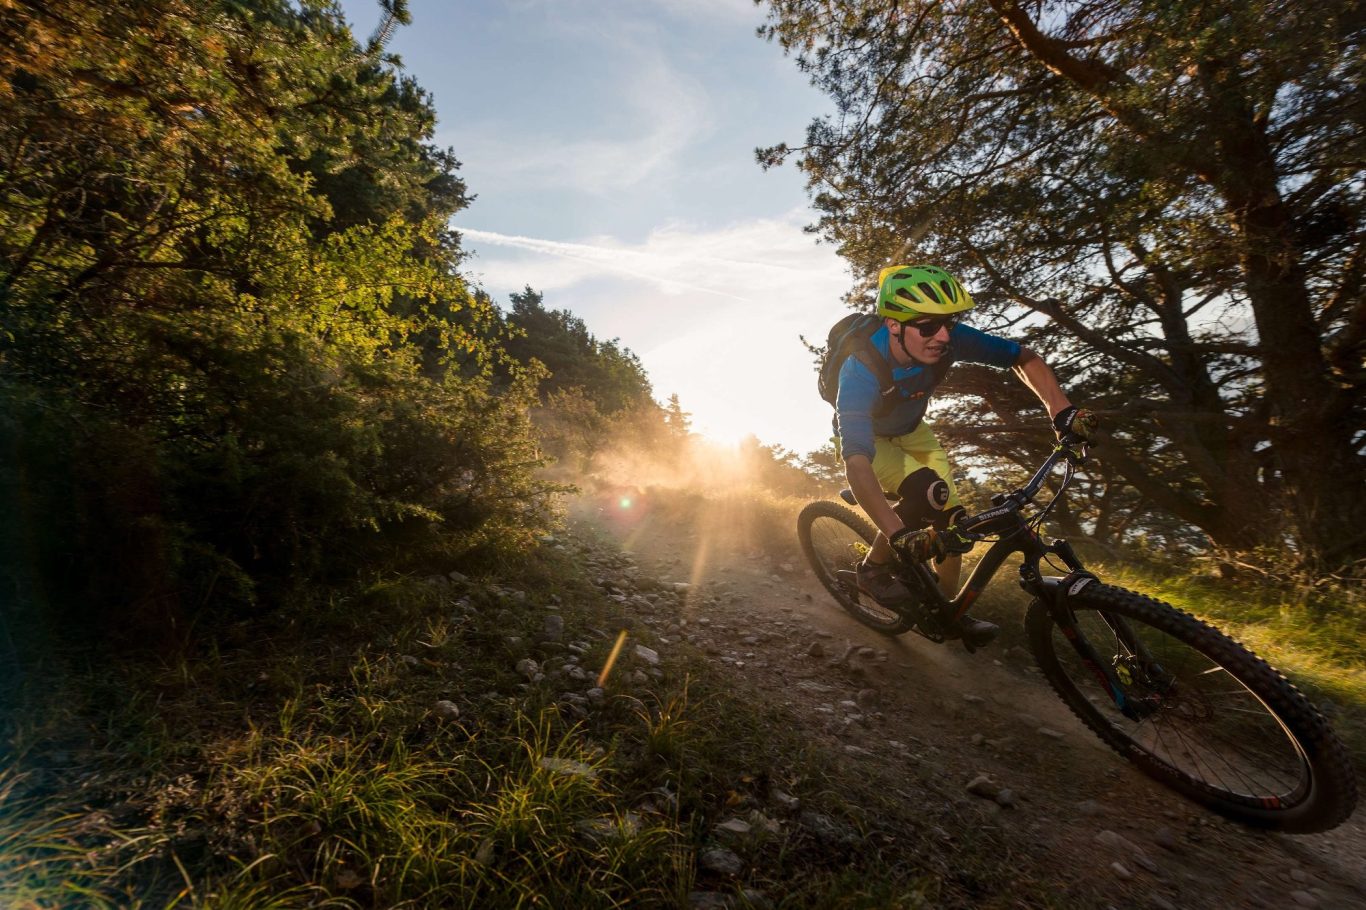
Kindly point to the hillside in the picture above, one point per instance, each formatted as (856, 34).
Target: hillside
(450, 741)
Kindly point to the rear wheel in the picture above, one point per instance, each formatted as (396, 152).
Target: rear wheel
(834, 540)
(1206, 717)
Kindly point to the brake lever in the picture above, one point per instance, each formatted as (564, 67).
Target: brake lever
(1076, 449)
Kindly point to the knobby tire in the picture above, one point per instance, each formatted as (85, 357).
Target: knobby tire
(1220, 725)
(834, 539)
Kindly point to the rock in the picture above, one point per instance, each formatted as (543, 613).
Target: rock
(1299, 875)
(1304, 898)
(1117, 842)
(457, 577)
(866, 653)
(409, 661)
(1161, 903)
(760, 822)
(1006, 798)
(1090, 808)
(607, 828)
(1165, 839)
(982, 785)
(528, 668)
(720, 860)
(446, 710)
(868, 698)
(681, 587)
(733, 828)
(649, 655)
(483, 855)
(1051, 733)
(978, 739)
(784, 800)
(554, 627)
(1126, 848)
(569, 767)
(816, 650)
(708, 900)
(1142, 861)
(825, 829)
(973, 699)
(1120, 872)
(596, 696)
(756, 899)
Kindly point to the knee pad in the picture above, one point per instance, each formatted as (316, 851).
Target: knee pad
(925, 500)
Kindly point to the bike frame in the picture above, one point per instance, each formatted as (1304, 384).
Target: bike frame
(1014, 535)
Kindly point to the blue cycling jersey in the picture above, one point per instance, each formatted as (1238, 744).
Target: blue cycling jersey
(859, 394)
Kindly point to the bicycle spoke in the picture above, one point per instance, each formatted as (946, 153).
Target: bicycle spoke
(1220, 736)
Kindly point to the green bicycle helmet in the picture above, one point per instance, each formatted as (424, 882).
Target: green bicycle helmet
(906, 292)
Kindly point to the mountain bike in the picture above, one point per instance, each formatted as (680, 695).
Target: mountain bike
(1188, 705)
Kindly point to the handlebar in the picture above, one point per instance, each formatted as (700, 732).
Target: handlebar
(1072, 449)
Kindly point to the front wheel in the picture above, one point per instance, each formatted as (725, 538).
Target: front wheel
(1201, 713)
(834, 541)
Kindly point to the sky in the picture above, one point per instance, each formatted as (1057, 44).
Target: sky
(610, 147)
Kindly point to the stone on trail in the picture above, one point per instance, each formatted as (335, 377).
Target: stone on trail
(1165, 839)
(708, 900)
(1120, 872)
(649, 655)
(528, 668)
(568, 766)
(982, 785)
(721, 860)
(1304, 898)
(1090, 808)
(446, 710)
(784, 800)
(733, 827)
(554, 627)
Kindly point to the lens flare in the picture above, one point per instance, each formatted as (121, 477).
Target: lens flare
(612, 658)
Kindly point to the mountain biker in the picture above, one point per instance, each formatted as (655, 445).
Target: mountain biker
(894, 449)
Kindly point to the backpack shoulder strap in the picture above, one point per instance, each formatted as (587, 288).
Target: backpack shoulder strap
(861, 347)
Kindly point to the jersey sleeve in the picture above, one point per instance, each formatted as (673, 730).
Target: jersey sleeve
(854, 405)
(975, 346)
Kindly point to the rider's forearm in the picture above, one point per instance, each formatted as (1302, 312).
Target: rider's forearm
(1039, 378)
(859, 471)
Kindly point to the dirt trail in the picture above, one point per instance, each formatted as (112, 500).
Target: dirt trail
(931, 718)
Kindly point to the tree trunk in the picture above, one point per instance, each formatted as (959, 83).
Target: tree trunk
(1325, 476)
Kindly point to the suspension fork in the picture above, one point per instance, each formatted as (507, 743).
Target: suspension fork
(1056, 594)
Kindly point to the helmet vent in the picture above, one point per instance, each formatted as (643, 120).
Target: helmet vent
(929, 290)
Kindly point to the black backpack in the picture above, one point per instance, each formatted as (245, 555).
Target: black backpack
(853, 335)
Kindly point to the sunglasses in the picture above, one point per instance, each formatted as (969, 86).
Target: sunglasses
(928, 328)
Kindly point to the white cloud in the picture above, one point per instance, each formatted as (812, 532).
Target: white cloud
(666, 111)
(714, 315)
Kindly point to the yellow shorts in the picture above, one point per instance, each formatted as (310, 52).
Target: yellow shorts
(897, 456)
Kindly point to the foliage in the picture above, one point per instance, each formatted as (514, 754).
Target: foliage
(1186, 177)
(234, 350)
(607, 373)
